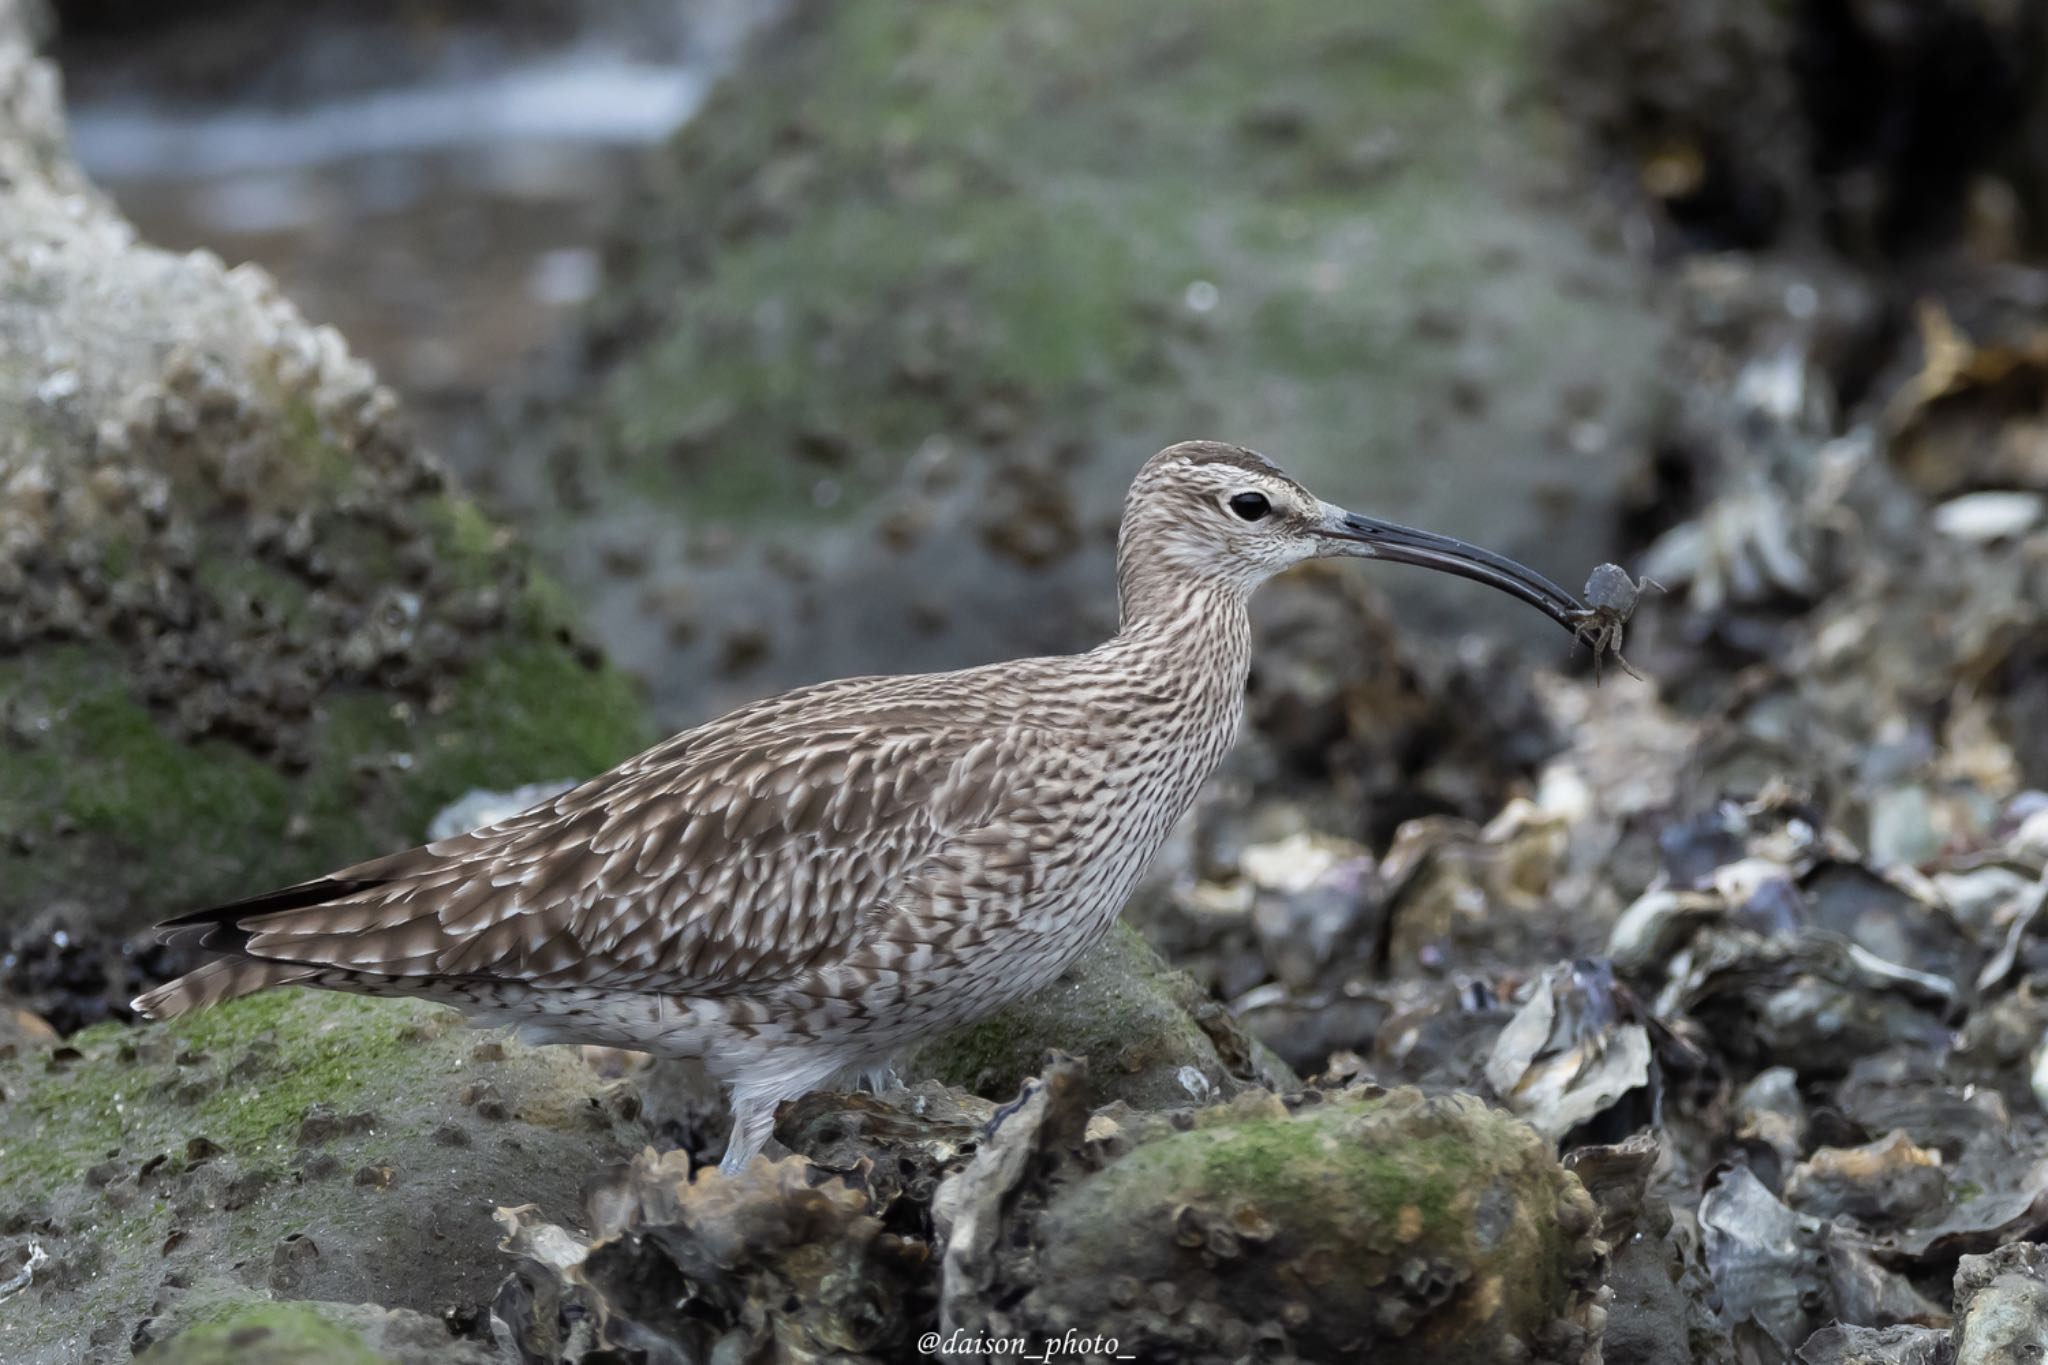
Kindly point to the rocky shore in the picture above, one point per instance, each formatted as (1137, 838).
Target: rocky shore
(1485, 1009)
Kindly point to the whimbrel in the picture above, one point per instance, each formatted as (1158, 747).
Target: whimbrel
(800, 888)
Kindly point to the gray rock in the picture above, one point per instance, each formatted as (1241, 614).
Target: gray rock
(2002, 1307)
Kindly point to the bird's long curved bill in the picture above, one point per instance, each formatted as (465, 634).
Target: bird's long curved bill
(1372, 538)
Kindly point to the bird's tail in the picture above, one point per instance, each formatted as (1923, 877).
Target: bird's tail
(226, 979)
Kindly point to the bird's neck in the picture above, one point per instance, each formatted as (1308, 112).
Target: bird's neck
(1192, 639)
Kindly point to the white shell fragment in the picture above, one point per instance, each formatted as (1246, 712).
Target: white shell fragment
(1982, 518)
(480, 807)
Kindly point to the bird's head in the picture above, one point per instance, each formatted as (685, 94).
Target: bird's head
(1207, 513)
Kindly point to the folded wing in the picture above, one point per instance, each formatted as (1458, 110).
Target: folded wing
(731, 856)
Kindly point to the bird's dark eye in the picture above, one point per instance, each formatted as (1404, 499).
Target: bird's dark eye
(1250, 506)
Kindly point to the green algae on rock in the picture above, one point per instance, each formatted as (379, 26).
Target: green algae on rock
(1151, 1036)
(249, 631)
(295, 1143)
(298, 1333)
(1407, 1227)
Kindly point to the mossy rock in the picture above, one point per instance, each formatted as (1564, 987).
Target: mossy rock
(248, 630)
(297, 1333)
(297, 1143)
(1151, 1036)
(1400, 1227)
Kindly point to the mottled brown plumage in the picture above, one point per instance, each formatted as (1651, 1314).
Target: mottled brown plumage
(805, 885)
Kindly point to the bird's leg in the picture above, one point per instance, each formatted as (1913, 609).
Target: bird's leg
(753, 1119)
(766, 1084)
(876, 1079)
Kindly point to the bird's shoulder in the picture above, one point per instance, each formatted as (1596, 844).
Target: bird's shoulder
(825, 760)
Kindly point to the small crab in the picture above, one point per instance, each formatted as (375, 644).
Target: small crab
(1612, 595)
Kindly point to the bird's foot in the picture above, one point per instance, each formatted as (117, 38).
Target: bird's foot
(876, 1079)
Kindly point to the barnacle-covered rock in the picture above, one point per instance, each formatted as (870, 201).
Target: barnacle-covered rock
(2002, 1307)
(243, 615)
(1410, 1227)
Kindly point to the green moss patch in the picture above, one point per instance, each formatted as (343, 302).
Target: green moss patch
(1401, 1225)
(1320, 1176)
(268, 1334)
(257, 1064)
(169, 1170)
